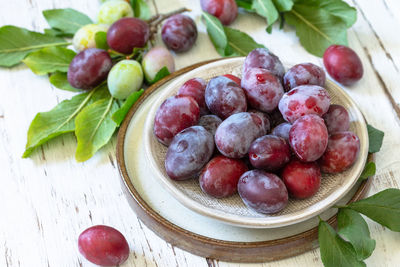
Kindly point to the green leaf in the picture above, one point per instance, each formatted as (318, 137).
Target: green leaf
(383, 207)
(227, 41)
(141, 9)
(101, 40)
(164, 72)
(241, 43)
(57, 33)
(48, 125)
(353, 227)
(245, 4)
(66, 20)
(317, 26)
(369, 170)
(60, 80)
(334, 250)
(375, 139)
(266, 9)
(49, 59)
(120, 114)
(341, 10)
(94, 127)
(283, 5)
(216, 33)
(16, 43)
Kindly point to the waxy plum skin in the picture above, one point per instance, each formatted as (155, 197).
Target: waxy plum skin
(220, 176)
(175, 114)
(262, 191)
(188, 152)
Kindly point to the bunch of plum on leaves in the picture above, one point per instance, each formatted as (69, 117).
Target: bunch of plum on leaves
(220, 131)
(128, 59)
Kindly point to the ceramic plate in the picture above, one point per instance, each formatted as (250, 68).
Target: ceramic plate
(232, 210)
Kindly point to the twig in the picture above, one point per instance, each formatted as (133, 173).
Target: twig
(155, 7)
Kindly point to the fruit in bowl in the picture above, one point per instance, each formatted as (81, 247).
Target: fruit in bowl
(310, 135)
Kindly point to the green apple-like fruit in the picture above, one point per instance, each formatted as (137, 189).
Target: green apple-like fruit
(113, 10)
(84, 38)
(155, 60)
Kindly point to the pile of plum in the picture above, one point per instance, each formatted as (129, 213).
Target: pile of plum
(220, 131)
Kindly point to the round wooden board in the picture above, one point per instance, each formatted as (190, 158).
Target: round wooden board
(202, 245)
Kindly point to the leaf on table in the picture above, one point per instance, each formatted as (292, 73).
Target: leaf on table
(49, 59)
(240, 42)
(141, 9)
(16, 43)
(67, 20)
(283, 5)
(266, 9)
(317, 26)
(245, 4)
(383, 207)
(352, 226)
(94, 127)
(216, 33)
(341, 10)
(57, 33)
(369, 170)
(375, 139)
(228, 41)
(48, 125)
(163, 72)
(334, 250)
(120, 114)
(60, 80)
(101, 40)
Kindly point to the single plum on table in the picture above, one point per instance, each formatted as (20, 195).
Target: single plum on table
(128, 33)
(210, 123)
(264, 117)
(343, 64)
(337, 119)
(262, 58)
(282, 130)
(156, 59)
(304, 100)
(233, 78)
(188, 152)
(89, 68)
(224, 97)
(174, 115)
(103, 245)
(225, 10)
(179, 33)
(220, 176)
(262, 191)
(304, 74)
(262, 88)
(308, 138)
(269, 153)
(341, 153)
(302, 179)
(235, 134)
(196, 88)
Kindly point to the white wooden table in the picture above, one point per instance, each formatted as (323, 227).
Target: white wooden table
(47, 200)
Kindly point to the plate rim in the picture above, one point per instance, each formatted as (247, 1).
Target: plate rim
(233, 219)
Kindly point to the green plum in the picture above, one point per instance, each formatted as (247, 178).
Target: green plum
(84, 38)
(113, 10)
(125, 78)
(155, 60)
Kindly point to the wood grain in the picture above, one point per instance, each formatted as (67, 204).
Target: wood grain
(47, 200)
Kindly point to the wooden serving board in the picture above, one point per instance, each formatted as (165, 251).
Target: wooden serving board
(190, 231)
